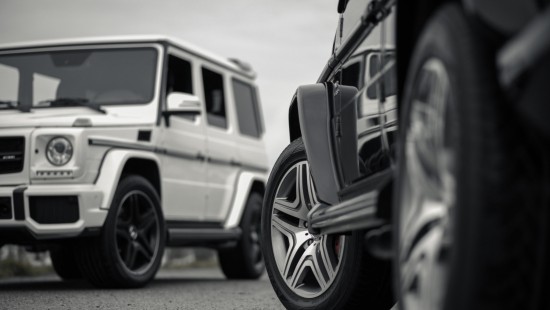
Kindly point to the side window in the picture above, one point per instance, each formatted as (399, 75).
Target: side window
(374, 68)
(247, 109)
(351, 75)
(179, 76)
(214, 98)
(390, 82)
(390, 76)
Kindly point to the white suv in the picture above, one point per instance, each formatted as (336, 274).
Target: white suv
(113, 148)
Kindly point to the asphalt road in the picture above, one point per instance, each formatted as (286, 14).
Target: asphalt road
(200, 289)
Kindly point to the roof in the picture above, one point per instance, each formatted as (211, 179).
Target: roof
(234, 65)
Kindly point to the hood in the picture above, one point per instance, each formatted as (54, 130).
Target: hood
(66, 117)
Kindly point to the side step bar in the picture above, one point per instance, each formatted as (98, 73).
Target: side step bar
(356, 213)
(202, 236)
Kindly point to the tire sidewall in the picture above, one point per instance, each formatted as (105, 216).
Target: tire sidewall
(253, 207)
(441, 41)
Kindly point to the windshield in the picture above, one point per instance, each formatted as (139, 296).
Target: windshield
(78, 77)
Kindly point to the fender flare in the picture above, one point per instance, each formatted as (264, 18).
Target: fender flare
(111, 170)
(242, 191)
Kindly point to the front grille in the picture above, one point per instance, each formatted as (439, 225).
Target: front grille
(54, 209)
(12, 154)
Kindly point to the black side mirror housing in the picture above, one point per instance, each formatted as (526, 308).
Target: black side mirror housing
(342, 6)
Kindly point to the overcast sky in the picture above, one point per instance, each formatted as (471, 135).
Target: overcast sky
(286, 41)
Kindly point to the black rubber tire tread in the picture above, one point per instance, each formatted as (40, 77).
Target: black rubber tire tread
(363, 282)
(64, 262)
(97, 258)
(494, 247)
(236, 262)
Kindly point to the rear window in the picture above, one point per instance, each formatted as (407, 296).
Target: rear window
(214, 98)
(248, 113)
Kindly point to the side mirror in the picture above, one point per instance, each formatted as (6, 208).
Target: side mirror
(181, 103)
(342, 6)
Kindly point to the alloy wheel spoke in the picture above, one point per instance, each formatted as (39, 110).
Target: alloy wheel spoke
(133, 207)
(305, 187)
(325, 257)
(130, 258)
(147, 223)
(145, 250)
(145, 244)
(299, 211)
(427, 196)
(425, 270)
(284, 226)
(305, 195)
(294, 252)
(308, 263)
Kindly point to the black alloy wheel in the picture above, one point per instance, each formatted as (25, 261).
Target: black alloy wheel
(129, 251)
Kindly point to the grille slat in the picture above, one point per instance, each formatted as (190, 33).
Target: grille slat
(12, 154)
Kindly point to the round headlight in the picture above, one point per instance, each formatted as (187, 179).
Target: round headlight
(59, 151)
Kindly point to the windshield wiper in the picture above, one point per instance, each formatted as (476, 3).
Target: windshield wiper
(71, 102)
(13, 104)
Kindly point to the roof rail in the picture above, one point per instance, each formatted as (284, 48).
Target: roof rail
(245, 66)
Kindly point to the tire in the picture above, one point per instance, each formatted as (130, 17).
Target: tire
(64, 263)
(348, 277)
(245, 261)
(129, 251)
(465, 237)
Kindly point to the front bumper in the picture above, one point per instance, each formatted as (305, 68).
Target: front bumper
(49, 212)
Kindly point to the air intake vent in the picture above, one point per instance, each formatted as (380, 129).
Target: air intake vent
(54, 209)
(12, 154)
(5, 208)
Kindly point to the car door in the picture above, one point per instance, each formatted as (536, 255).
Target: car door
(363, 70)
(222, 164)
(183, 149)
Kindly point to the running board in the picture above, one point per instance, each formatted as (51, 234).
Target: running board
(353, 214)
(202, 236)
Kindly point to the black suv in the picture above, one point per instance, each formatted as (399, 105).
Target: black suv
(418, 163)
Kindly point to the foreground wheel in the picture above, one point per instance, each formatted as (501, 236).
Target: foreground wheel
(64, 263)
(461, 211)
(311, 271)
(129, 251)
(245, 260)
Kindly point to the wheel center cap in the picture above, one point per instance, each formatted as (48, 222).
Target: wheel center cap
(133, 232)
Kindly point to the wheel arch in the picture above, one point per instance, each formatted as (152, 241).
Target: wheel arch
(257, 187)
(120, 162)
(144, 167)
(294, 120)
(247, 183)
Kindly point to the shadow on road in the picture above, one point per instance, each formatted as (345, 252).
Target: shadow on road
(164, 278)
